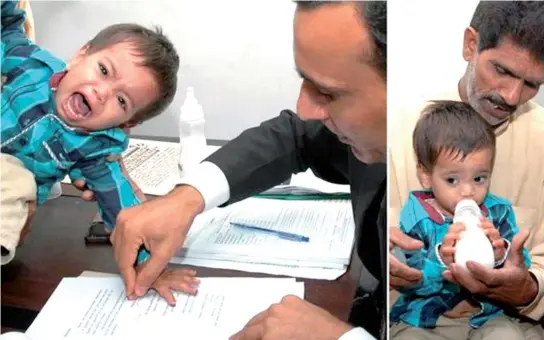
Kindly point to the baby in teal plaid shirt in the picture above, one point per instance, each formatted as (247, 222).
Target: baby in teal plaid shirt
(60, 119)
(455, 150)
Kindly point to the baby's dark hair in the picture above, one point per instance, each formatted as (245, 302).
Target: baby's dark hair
(452, 128)
(158, 54)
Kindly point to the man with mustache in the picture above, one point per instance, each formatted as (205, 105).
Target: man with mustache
(504, 48)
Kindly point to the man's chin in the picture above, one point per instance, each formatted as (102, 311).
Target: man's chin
(493, 120)
(368, 156)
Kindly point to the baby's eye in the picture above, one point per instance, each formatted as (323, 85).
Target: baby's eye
(480, 179)
(103, 69)
(451, 180)
(122, 102)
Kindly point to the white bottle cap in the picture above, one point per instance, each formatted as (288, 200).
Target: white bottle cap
(191, 109)
(466, 208)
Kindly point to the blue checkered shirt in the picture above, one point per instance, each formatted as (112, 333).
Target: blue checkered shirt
(32, 131)
(421, 305)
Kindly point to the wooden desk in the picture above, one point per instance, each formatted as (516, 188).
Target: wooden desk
(55, 248)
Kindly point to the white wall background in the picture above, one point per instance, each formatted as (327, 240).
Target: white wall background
(425, 39)
(237, 54)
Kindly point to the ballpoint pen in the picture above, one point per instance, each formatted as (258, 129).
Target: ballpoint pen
(281, 234)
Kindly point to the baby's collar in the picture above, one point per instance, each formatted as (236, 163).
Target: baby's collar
(434, 214)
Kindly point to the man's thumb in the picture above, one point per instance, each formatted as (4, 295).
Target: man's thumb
(516, 247)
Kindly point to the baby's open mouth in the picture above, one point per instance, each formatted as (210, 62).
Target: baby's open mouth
(78, 105)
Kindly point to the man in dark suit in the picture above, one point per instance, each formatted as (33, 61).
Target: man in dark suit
(339, 132)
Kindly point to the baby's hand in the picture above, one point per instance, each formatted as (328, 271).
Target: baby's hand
(447, 248)
(177, 279)
(499, 246)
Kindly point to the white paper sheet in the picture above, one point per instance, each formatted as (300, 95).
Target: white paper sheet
(96, 308)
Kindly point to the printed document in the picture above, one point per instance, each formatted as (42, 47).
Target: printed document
(96, 308)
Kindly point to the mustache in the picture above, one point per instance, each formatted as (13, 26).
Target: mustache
(501, 103)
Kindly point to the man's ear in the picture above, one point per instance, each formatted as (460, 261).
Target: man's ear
(470, 43)
(78, 56)
(424, 176)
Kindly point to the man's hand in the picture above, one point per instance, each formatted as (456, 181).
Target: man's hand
(512, 284)
(492, 233)
(177, 279)
(160, 225)
(447, 248)
(293, 319)
(400, 275)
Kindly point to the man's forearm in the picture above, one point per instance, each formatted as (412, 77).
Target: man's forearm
(534, 292)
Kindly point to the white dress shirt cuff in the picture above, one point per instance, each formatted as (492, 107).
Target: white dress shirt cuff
(357, 334)
(211, 182)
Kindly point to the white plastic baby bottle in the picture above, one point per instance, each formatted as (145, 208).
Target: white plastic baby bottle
(191, 133)
(474, 244)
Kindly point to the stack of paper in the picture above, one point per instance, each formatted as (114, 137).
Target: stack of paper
(214, 242)
(306, 183)
(96, 308)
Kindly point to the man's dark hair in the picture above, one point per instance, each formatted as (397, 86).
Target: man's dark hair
(452, 128)
(373, 14)
(521, 21)
(158, 54)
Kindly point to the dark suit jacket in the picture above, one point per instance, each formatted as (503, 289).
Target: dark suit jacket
(269, 154)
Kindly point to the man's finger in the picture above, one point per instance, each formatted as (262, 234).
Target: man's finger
(516, 248)
(398, 269)
(151, 269)
(447, 275)
(125, 255)
(403, 241)
(482, 273)
(398, 282)
(255, 332)
(465, 279)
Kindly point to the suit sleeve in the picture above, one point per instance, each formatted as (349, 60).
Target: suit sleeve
(270, 153)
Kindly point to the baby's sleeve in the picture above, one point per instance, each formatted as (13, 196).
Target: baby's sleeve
(13, 35)
(425, 260)
(112, 189)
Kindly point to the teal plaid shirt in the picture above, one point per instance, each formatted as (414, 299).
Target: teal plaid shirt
(32, 131)
(421, 305)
